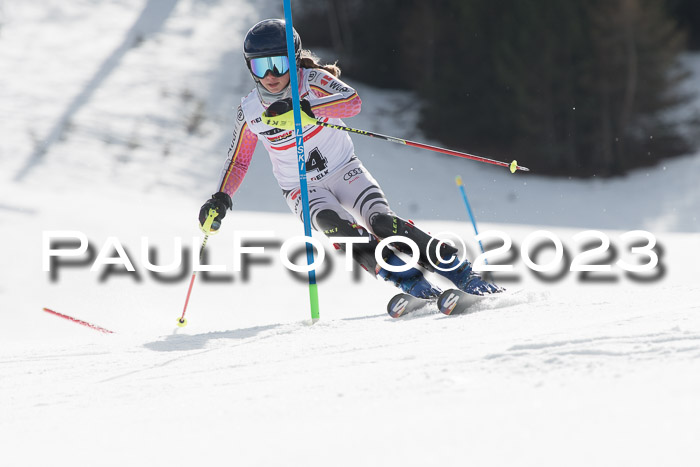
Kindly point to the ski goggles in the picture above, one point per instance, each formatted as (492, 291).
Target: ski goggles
(278, 66)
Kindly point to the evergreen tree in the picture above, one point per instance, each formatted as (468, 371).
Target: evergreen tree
(541, 53)
(575, 87)
(687, 14)
(636, 47)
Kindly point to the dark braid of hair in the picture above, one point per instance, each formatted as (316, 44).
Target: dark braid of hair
(308, 59)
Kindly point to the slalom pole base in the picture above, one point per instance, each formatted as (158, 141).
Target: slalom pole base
(181, 322)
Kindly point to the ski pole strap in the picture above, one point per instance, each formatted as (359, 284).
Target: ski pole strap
(206, 227)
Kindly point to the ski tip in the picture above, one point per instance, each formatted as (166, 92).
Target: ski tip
(455, 301)
(448, 301)
(403, 304)
(397, 306)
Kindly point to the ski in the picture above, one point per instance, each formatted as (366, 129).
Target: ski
(403, 304)
(455, 301)
(450, 302)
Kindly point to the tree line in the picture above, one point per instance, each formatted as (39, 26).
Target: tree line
(577, 87)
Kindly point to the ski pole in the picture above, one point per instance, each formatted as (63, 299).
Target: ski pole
(182, 322)
(286, 122)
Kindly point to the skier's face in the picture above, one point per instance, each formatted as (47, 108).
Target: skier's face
(275, 84)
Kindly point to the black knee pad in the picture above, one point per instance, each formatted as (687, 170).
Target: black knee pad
(335, 226)
(386, 225)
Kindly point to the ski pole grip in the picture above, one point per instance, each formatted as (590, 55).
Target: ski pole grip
(206, 228)
(286, 120)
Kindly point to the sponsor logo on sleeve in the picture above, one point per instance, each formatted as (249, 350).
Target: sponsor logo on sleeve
(337, 87)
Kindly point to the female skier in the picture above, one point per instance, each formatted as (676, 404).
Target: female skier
(343, 196)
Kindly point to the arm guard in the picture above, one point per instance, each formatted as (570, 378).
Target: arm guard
(330, 97)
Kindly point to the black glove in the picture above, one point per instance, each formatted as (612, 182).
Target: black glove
(285, 105)
(220, 202)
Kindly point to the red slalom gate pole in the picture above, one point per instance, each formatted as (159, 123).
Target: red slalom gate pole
(79, 321)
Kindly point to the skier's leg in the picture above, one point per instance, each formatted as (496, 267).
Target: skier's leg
(332, 225)
(358, 191)
(386, 225)
(320, 199)
(410, 281)
(442, 260)
(355, 188)
(328, 216)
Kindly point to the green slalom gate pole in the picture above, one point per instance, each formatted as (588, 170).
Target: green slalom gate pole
(301, 157)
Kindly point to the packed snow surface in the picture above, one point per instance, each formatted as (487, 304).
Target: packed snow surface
(116, 118)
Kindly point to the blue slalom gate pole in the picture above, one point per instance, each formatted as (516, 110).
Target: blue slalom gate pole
(301, 157)
(469, 210)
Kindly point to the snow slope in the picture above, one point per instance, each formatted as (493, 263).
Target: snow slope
(115, 120)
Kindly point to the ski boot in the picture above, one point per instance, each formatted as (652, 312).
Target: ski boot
(411, 282)
(467, 280)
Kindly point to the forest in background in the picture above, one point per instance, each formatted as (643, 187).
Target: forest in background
(577, 88)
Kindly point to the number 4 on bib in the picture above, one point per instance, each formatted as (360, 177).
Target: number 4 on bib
(316, 161)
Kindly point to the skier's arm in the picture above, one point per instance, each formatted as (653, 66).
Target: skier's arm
(330, 97)
(239, 155)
